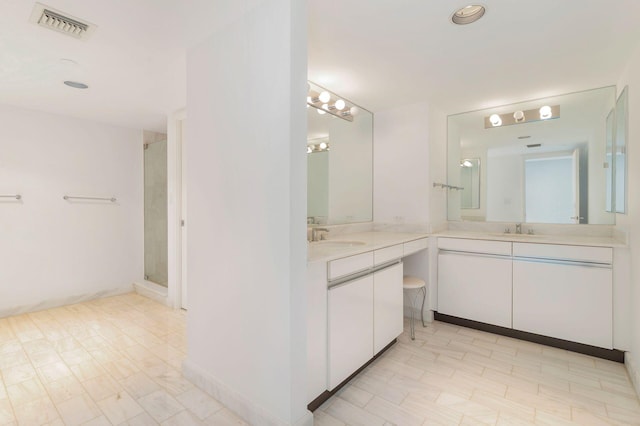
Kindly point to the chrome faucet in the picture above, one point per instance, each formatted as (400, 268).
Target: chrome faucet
(518, 228)
(316, 233)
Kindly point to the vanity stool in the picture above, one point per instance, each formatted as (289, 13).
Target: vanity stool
(413, 286)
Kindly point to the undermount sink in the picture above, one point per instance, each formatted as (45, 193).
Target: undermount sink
(337, 243)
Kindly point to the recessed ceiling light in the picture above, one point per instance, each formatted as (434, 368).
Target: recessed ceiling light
(468, 14)
(76, 84)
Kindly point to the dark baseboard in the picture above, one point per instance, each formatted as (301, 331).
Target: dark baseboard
(313, 405)
(609, 354)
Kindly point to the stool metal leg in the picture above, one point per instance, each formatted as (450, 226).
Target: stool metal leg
(413, 313)
(424, 297)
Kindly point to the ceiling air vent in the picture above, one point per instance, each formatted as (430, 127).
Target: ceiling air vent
(61, 22)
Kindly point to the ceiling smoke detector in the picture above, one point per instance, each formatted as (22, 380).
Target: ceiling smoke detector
(61, 22)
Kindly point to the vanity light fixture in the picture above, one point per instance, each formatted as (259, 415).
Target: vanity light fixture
(468, 14)
(518, 116)
(327, 102)
(324, 97)
(545, 112)
(317, 145)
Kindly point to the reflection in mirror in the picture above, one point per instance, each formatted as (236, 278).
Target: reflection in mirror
(542, 161)
(339, 163)
(620, 148)
(470, 181)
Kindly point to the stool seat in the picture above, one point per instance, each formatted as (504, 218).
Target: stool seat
(411, 283)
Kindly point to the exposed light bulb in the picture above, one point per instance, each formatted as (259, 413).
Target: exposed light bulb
(545, 112)
(354, 110)
(325, 97)
(467, 163)
(340, 104)
(323, 145)
(518, 116)
(325, 107)
(321, 111)
(309, 150)
(309, 99)
(495, 120)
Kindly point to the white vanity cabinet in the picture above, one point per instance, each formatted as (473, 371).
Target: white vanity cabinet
(564, 292)
(387, 306)
(350, 328)
(365, 313)
(474, 280)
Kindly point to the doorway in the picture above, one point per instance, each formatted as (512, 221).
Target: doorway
(552, 192)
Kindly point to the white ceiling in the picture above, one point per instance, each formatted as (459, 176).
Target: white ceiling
(381, 53)
(134, 63)
(378, 53)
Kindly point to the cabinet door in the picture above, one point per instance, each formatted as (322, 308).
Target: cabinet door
(350, 328)
(387, 306)
(565, 301)
(475, 287)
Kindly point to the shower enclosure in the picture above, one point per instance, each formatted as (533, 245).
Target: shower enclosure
(155, 213)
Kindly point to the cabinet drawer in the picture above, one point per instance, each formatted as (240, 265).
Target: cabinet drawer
(387, 254)
(349, 265)
(415, 246)
(475, 246)
(563, 252)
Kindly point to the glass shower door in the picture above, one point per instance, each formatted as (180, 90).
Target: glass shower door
(155, 213)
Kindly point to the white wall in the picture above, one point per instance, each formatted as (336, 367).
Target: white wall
(401, 181)
(246, 174)
(630, 222)
(54, 251)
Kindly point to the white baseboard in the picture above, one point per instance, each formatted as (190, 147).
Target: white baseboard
(633, 371)
(64, 301)
(247, 410)
(152, 291)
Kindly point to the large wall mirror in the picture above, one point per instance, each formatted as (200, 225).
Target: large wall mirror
(339, 160)
(543, 161)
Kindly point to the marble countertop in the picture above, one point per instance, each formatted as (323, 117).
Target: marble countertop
(368, 241)
(575, 240)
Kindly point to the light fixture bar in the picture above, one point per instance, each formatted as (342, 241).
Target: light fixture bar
(330, 103)
(545, 112)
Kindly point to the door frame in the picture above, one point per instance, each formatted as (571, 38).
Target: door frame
(176, 182)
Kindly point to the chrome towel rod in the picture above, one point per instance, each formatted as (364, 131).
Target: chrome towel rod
(69, 197)
(444, 185)
(16, 196)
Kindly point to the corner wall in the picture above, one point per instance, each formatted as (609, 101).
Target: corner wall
(246, 234)
(401, 166)
(57, 252)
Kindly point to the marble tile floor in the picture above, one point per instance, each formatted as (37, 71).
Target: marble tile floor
(116, 361)
(453, 375)
(111, 361)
